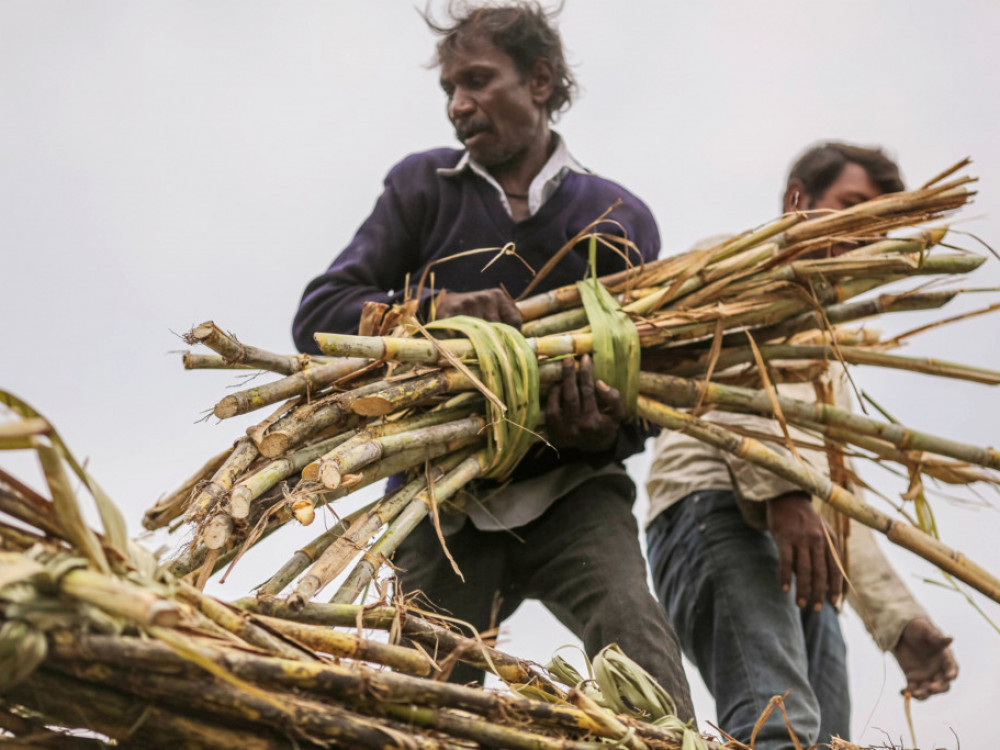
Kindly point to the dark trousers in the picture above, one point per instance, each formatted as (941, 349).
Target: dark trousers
(718, 580)
(581, 559)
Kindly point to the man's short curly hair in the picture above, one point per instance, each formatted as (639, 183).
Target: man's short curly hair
(820, 166)
(523, 29)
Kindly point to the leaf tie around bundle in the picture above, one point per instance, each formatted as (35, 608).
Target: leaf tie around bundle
(617, 352)
(509, 369)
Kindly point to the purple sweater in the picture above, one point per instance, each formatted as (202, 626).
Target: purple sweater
(423, 216)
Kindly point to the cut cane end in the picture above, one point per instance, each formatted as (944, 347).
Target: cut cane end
(226, 408)
(304, 512)
(311, 472)
(331, 477)
(272, 446)
(372, 406)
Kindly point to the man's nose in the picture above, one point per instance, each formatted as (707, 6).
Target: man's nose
(461, 105)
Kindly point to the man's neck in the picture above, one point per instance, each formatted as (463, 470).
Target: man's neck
(515, 176)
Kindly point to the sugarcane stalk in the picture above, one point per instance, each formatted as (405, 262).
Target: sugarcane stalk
(390, 348)
(841, 336)
(660, 328)
(901, 266)
(234, 352)
(345, 683)
(243, 494)
(405, 522)
(348, 645)
(36, 735)
(285, 411)
(309, 380)
(950, 472)
(12, 537)
(880, 211)
(384, 513)
(243, 454)
(284, 711)
(440, 640)
(849, 354)
(804, 271)
(610, 724)
(576, 317)
(555, 345)
(329, 412)
(816, 484)
(308, 554)
(682, 393)
(240, 624)
(120, 598)
(337, 464)
(378, 429)
(195, 361)
(411, 392)
(310, 495)
(17, 506)
(217, 531)
(653, 273)
(843, 312)
(741, 265)
(336, 557)
(482, 732)
(914, 243)
(194, 557)
(174, 504)
(134, 723)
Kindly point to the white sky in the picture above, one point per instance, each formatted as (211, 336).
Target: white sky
(165, 163)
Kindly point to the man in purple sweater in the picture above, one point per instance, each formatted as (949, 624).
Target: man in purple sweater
(562, 530)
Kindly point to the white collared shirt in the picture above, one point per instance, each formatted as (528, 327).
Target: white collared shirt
(542, 187)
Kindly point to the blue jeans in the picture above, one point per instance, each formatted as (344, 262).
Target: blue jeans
(717, 579)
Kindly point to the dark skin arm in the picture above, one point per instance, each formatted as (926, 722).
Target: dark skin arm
(803, 549)
(922, 650)
(926, 660)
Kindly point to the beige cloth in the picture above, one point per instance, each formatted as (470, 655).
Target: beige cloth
(682, 465)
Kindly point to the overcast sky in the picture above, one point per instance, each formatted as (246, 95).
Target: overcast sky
(165, 163)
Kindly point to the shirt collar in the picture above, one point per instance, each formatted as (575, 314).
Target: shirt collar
(542, 187)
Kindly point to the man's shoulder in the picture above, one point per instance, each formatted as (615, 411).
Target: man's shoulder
(602, 187)
(597, 191)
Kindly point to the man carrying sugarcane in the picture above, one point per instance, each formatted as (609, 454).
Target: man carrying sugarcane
(726, 538)
(562, 529)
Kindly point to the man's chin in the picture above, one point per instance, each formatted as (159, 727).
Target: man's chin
(487, 157)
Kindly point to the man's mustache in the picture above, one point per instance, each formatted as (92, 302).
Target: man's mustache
(467, 130)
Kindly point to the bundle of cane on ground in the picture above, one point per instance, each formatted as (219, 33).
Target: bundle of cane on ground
(714, 328)
(96, 636)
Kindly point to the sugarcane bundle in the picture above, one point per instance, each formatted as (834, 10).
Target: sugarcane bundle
(712, 328)
(95, 635)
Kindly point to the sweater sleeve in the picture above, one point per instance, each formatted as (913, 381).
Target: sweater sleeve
(877, 593)
(373, 266)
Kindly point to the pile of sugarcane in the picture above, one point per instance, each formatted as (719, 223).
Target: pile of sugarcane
(711, 329)
(101, 646)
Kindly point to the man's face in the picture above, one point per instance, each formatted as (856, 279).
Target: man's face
(498, 114)
(853, 186)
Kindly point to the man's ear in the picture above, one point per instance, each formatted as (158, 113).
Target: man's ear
(542, 82)
(796, 198)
